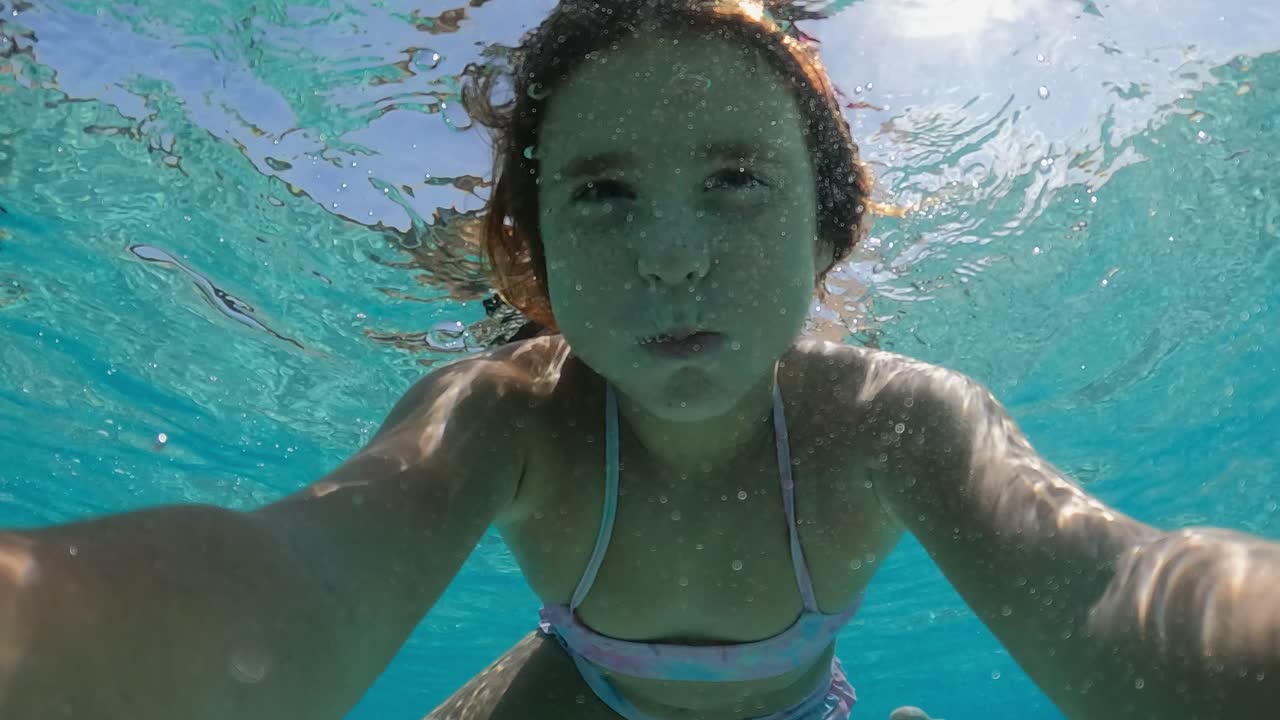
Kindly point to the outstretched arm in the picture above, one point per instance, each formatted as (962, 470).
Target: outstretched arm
(290, 611)
(1110, 617)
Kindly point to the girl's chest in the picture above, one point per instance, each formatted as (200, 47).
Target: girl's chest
(701, 554)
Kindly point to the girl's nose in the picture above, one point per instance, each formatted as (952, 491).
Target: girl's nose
(681, 256)
(677, 265)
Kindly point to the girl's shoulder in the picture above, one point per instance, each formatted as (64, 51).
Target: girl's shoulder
(862, 376)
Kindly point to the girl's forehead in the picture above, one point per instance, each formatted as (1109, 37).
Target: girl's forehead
(689, 87)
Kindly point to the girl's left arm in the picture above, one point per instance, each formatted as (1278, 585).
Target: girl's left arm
(1110, 617)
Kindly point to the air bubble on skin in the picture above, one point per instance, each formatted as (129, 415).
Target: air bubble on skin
(249, 667)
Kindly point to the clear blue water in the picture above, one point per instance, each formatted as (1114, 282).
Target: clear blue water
(1096, 236)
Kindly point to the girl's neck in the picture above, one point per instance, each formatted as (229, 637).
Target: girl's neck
(696, 445)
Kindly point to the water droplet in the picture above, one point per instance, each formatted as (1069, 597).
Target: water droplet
(737, 565)
(1044, 92)
(742, 494)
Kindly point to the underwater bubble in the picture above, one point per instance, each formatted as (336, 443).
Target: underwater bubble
(426, 59)
(737, 565)
(530, 153)
(538, 91)
(12, 292)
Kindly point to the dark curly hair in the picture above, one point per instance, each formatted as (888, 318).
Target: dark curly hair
(570, 35)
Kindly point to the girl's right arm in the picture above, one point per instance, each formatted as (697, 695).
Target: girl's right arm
(291, 611)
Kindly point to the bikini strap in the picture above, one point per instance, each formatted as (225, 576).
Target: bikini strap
(610, 498)
(783, 443)
(783, 446)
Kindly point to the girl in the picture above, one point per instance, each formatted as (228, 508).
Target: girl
(698, 498)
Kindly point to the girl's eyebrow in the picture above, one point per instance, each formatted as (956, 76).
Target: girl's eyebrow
(738, 151)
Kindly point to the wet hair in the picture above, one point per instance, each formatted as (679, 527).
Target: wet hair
(571, 35)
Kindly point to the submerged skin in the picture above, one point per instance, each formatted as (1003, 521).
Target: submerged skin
(308, 599)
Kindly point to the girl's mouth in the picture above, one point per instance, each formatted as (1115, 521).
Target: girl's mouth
(683, 343)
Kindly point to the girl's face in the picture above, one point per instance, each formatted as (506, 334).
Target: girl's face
(677, 194)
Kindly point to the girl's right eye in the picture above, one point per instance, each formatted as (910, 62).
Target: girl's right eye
(597, 190)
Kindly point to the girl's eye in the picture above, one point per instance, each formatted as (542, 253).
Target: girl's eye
(597, 190)
(734, 178)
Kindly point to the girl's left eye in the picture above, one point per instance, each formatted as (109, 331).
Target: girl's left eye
(734, 178)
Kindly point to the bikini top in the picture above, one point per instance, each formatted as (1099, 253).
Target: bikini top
(793, 648)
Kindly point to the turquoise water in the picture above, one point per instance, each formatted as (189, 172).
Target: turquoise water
(237, 226)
